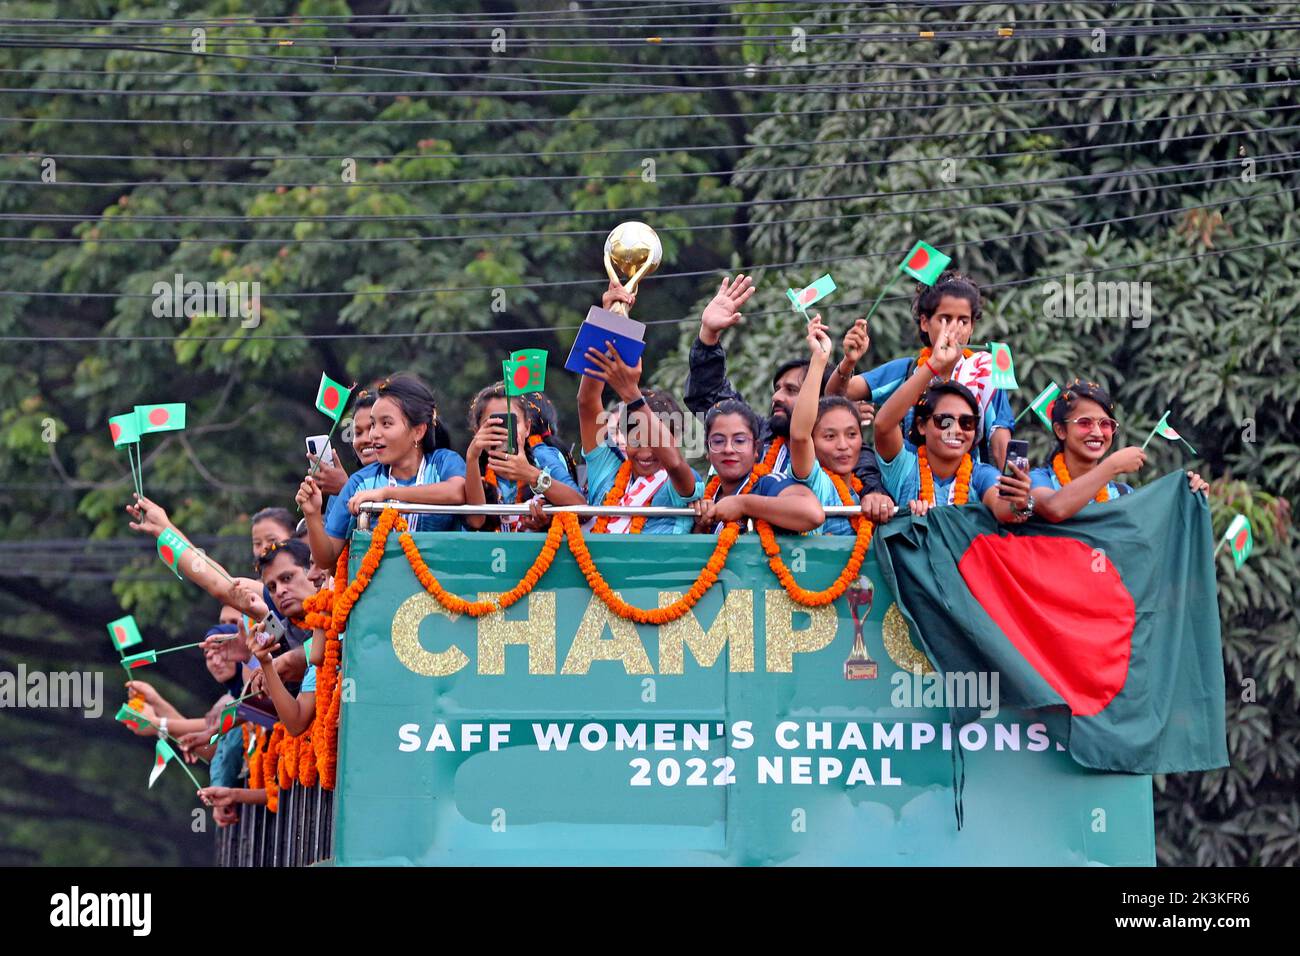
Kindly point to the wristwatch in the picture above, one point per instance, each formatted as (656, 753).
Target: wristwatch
(543, 482)
(1029, 508)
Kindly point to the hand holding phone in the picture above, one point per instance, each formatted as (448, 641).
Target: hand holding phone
(507, 421)
(1017, 457)
(320, 447)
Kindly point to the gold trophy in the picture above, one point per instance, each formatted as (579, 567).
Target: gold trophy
(632, 250)
(859, 666)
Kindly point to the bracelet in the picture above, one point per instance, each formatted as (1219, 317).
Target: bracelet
(933, 373)
(162, 727)
(842, 374)
(635, 404)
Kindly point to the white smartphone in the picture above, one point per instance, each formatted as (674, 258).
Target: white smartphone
(315, 444)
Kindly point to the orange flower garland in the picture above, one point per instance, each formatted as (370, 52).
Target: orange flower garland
(842, 488)
(773, 449)
(270, 775)
(288, 757)
(660, 615)
(254, 757)
(960, 491)
(803, 596)
(613, 497)
(329, 768)
(924, 356)
(1063, 476)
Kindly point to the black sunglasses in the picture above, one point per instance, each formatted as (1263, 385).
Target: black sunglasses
(945, 420)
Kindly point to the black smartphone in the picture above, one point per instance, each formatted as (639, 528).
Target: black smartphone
(507, 421)
(1017, 455)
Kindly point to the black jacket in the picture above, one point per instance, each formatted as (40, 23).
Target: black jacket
(707, 384)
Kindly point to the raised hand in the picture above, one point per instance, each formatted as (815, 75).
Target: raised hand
(1197, 483)
(856, 341)
(946, 352)
(148, 516)
(309, 497)
(818, 341)
(331, 478)
(723, 311)
(609, 367)
(490, 436)
(616, 293)
(1126, 460)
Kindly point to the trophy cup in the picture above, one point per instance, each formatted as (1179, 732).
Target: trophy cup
(633, 250)
(859, 666)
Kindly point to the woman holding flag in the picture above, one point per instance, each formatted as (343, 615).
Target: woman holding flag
(942, 470)
(414, 465)
(1083, 420)
(535, 469)
(953, 301)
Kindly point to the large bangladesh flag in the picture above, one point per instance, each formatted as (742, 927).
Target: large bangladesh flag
(1110, 620)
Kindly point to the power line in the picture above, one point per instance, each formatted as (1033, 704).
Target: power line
(623, 213)
(642, 150)
(589, 177)
(464, 237)
(893, 254)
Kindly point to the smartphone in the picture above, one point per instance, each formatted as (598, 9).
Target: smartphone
(319, 445)
(1017, 455)
(507, 421)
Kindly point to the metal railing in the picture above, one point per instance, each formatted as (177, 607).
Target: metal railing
(300, 833)
(582, 511)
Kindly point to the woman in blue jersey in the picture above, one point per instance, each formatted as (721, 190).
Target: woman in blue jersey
(1080, 472)
(493, 475)
(953, 302)
(826, 442)
(941, 471)
(650, 470)
(742, 490)
(414, 465)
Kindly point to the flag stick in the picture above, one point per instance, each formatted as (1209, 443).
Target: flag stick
(1219, 546)
(180, 759)
(137, 468)
(1026, 411)
(184, 647)
(889, 286)
(1189, 447)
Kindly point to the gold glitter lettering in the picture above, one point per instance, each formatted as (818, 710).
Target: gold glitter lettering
(538, 632)
(406, 639)
(899, 646)
(589, 646)
(783, 641)
(733, 627)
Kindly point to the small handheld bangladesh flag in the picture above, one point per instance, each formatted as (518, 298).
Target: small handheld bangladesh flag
(160, 418)
(1043, 402)
(226, 722)
(1167, 431)
(132, 718)
(170, 548)
(1240, 539)
(124, 632)
(524, 371)
(331, 397)
(124, 429)
(163, 755)
(1004, 369)
(813, 293)
(140, 660)
(925, 263)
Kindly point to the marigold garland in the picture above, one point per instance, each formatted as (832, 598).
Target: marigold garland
(960, 491)
(842, 488)
(924, 356)
(458, 605)
(660, 615)
(329, 768)
(254, 758)
(613, 497)
(270, 768)
(1063, 476)
(287, 756)
(773, 450)
(766, 535)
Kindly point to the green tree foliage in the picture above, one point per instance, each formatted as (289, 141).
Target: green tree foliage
(1056, 173)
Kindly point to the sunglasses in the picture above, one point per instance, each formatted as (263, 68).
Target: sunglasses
(945, 421)
(1108, 425)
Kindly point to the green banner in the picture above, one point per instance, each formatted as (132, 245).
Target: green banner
(558, 733)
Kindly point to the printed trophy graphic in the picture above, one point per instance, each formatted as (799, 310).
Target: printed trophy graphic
(859, 666)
